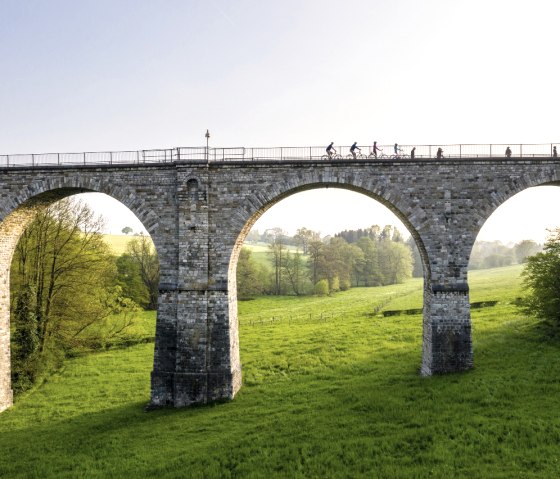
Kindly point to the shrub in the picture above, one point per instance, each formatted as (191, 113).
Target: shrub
(321, 288)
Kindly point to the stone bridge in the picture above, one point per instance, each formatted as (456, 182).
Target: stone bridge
(198, 214)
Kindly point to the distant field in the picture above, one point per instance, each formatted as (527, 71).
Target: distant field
(330, 390)
(118, 243)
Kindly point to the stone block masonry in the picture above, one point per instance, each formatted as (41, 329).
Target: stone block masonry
(198, 215)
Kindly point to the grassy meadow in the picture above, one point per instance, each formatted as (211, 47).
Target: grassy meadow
(331, 389)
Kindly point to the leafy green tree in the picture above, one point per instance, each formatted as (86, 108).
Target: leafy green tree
(60, 275)
(417, 267)
(395, 261)
(316, 253)
(129, 278)
(277, 249)
(250, 276)
(540, 279)
(524, 249)
(25, 340)
(371, 271)
(303, 238)
(321, 288)
(143, 253)
(294, 268)
(126, 230)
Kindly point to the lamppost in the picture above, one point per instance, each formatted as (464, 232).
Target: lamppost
(207, 135)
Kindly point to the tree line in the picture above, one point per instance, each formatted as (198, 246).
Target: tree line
(70, 293)
(314, 265)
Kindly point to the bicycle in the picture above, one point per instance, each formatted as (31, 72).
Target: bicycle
(400, 155)
(334, 156)
(359, 156)
(380, 155)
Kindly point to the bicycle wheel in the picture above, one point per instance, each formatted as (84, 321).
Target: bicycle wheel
(325, 157)
(337, 157)
(350, 157)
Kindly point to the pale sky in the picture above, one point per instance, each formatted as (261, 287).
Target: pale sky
(100, 75)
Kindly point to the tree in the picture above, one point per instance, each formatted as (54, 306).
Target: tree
(294, 268)
(60, 275)
(316, 248)
(321, 288)
(540, 278)
(395, 260)
(277, 251)
(126, 230)
(250, 276)
(524, 249)
(143, 252)
(370, 271)
(417, 267)
(304, 236)
(129, 278)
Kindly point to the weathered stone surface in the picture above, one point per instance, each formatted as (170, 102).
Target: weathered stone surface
(198, 215)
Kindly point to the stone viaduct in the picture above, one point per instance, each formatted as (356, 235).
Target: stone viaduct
(198, 214)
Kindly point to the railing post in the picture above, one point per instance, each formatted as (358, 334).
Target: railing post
(110, 157)
(490, 150)
(430, 151)
(460, 151)
(32, 159)
(521, 151)
(58, 158)
(84, 157)
(310, 157)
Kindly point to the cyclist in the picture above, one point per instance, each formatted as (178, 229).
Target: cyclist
(508, 152)
(375, 149)
(331, 150)
(353, 149)
(554, 153)
(412, 153)
(396, 148)
(439, 153)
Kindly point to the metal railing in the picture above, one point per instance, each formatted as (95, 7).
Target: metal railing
(300, 153)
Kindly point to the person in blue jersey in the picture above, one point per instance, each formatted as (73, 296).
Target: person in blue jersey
(353, 149)
(330, 150)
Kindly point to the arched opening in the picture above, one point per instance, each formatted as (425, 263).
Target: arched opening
(515, 229)
(410, 299)
(68, 287)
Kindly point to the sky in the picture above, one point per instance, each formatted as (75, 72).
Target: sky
(100, 75)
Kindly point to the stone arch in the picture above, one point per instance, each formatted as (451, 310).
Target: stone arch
(16, 214)
(257, 203)
(498, 196)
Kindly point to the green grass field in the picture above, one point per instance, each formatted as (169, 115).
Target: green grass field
(117, 243)
(331, 396)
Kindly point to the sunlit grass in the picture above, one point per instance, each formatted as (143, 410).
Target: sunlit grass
(338, 397)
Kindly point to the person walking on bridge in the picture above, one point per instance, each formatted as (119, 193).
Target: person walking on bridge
(439, 154)
(353, 149)
(413, 153)
(508, 152)
(331, 150)
(554, 154)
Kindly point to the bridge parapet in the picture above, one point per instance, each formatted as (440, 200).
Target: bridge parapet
(287, 153)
